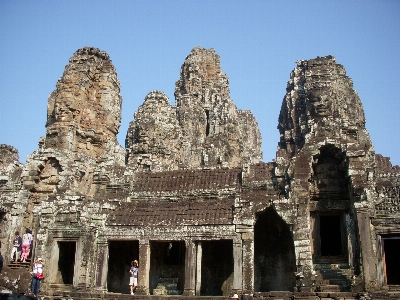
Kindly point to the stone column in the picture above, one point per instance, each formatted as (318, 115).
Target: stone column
(248, 263)
(101, 265)
(199, 254)
(237, 266)
(144, 268)
(367, 255)
(190, 265)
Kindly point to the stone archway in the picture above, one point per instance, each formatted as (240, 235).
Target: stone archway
(274, 254)
(329, 205)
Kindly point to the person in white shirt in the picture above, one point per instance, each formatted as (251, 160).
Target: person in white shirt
(37, 270)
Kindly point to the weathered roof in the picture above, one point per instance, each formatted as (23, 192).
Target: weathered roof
(174, 212)
(186, 180)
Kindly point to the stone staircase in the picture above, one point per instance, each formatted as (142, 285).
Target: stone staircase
(167, 286)
(333, 278)
(20, 264)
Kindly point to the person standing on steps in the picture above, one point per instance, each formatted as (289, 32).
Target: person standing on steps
(17, 248)
(1, 262)
(133, 271)
(26, 245)
(37, 268)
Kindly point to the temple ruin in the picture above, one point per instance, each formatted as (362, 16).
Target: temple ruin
(190, 198)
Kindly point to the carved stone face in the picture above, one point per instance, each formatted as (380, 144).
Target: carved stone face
(110, 102)
(321, 103)
(113, 122)
(68, 105)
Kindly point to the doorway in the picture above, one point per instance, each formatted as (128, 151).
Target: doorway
(274, 255)
(391, 248)
(329, 237)
(216, 267)
(120, 256)
(167, 266)
(66, 261)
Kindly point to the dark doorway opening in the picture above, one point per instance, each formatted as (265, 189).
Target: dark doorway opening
(66, 261)
(167, 266)
(331, 236)
(391, 246)
(208, 122)
(274, 255)
(120, 256)
(216, 267)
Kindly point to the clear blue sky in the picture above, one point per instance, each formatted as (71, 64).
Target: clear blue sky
(259, 43)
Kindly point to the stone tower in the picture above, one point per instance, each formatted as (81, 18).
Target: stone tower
(84, 112)
(204, 130)
(83, 119)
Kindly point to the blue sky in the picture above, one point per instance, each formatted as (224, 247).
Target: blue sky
(259, 43)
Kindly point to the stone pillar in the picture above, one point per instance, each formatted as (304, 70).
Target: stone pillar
(101, 265)
(190, 265)
(237, 266)
(199, 254)
(367, 254)
(248, 263)
(144, 268)
(81, 264)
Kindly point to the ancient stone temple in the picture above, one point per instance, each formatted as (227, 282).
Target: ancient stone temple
(190, 198)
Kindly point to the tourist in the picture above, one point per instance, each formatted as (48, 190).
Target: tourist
(134, 276)
(31, 244)
(17, 248)
(1, 262)
(26, 244)
(37, 275)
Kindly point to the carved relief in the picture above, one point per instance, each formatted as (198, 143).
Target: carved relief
(48, 177)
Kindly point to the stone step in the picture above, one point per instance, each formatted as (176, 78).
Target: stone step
(19, 265)
(168, 279)
(331, 274)
(174, 292)
(167, 286)
(340, 266)
(160, 290)
(333, 278)
(329, 288)
(337, 295)
(169, 283)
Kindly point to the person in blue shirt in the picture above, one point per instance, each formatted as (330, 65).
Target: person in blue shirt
(17, 247)
(133, 271)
